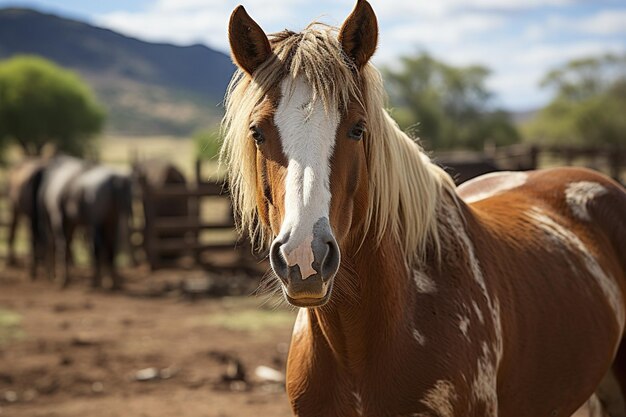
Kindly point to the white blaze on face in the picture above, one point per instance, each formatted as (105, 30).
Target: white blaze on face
(307, 133)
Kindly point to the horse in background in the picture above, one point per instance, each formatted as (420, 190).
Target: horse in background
(503, 298)
(155, 174)
(95, 197)
(24, 180)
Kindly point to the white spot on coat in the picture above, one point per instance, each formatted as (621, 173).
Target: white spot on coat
(464, 323)
(423, 282)
(440, 398)
(484, 386)
(568, 239)
(421, 339)
(479, 313)
(457, 226)
(579, 194)
(358, 403)
(302, 323)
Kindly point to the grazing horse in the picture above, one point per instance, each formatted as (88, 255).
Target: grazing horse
(503, 298)
(23, 183)
(75, 193)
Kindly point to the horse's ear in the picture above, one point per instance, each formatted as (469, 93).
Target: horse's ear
(248, 43)
(359, 34)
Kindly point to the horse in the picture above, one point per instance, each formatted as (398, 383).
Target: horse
(501, 298)
(23, 183)
(155, 174)
(98, 198)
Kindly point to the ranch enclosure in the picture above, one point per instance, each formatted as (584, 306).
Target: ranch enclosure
(200, 325)
(184, 339)
(174, 342)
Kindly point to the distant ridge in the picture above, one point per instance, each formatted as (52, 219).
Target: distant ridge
(148, 88)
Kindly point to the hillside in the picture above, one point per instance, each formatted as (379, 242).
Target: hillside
(147, 88)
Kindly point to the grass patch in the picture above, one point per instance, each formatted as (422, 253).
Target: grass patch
(10, 326)
(243, 314)
(252, 320)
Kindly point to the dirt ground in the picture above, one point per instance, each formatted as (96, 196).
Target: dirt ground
(80, 352)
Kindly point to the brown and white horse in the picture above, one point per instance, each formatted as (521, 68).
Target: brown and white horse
(504, 297)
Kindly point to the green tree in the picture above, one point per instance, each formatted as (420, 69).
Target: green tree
(589, 104)
(447, 106)
(42, 103)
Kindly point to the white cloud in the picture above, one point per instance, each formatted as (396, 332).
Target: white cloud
(418, 9)
(607, 22)
(487, 32)
(189, 21)
(445, 31)
(602, 23)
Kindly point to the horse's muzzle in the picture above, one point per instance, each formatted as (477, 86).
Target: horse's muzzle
(307, 268)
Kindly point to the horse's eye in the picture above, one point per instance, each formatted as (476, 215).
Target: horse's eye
(257, 135)
(357, 131)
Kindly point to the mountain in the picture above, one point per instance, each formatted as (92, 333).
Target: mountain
(147, 88)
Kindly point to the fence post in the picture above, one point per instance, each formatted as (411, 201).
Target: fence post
(533, 153)
(615, 159)
(194, 211)
(149, 230)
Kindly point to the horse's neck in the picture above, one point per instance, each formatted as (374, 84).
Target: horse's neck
(374, 301)
(371, 304)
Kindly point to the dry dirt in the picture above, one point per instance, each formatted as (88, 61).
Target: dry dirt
(76, 352)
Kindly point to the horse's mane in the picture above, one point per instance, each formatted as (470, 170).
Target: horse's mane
(405, 186)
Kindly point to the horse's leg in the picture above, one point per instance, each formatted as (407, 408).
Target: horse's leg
(69, 237)
(51, 246)
(35, 250)
(612, 389)
(63, 241)
(110, 260)
(96, 248)
(61, 259)
(11, 243)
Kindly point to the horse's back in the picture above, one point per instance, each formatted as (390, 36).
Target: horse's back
(20, 183)
(581, 199)
(58, 174)
(556, 244)
(100, 190)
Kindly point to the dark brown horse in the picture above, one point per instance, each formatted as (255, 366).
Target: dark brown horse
(74, 194)
(23, 183)
(502, 298)
(154, 174)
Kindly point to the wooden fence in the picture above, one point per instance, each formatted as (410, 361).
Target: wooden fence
(163, 250)
(609, 159)
(4, 219)
(191, 227)
(464, 165)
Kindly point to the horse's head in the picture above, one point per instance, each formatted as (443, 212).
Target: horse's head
(299, 103)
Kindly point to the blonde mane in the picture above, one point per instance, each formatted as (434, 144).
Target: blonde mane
(405, 186)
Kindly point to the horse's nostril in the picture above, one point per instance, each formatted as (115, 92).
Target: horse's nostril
(330, 263)
(279, 265)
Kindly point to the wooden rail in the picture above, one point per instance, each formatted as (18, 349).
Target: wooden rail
(158, 242)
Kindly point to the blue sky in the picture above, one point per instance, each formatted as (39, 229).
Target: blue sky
(519, 40)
